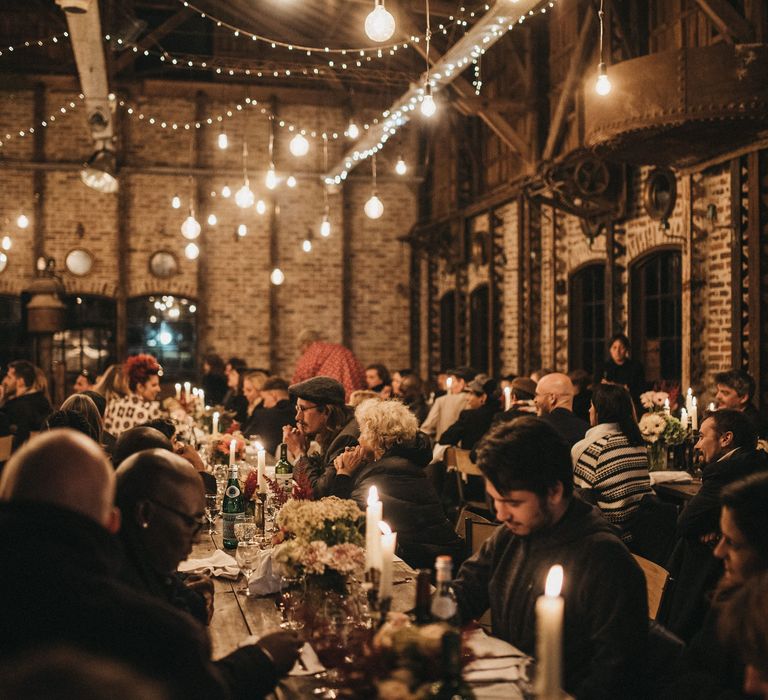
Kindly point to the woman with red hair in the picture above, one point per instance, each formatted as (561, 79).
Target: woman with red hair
(142, 374)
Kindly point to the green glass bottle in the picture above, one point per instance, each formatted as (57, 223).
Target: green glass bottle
(284, 471)
(232, 506)
(452, 685)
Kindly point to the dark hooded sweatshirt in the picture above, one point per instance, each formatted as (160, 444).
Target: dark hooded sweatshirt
(409, 502)
(606, 611)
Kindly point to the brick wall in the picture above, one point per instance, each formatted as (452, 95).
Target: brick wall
(155, 166)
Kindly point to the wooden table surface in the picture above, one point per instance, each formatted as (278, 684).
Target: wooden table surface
(679, 492)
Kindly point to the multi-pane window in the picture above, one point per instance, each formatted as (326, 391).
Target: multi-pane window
(448, 330)
(478, 328)
(586, 319)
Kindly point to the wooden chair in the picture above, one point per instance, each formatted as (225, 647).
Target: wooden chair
(477, 530)
(6, 444)
(656, 579)
(459, 461)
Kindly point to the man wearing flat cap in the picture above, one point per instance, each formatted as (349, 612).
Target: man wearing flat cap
(322, 417)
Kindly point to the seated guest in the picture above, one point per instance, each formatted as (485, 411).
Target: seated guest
(64, 562)
(622, 369)
(554, 405)
(107, 439)
(322, 359)
(253, 382)
(238, 364)
(142, 437)
(711, 668)
(475, 420)
(85, 405)
(28, 408)
(392, 455)
(378, 379)
(156, 489)
(528, 474)
(235, 400)
(69, 419)
(277, 411)
(357, 397)
(445, 411)
(538, 374)
(728, 444)
(581, 380)
(412, 396)
(322, 417)
(397, 377)
(142, 374)
(744, 626)
(612, 459)
(111, 384)
(735, 390)
(83, 382)
(214, 380)
(521, 403)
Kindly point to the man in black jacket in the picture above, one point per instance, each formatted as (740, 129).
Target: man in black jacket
(554, 405)
(322, 417)
(728, 443)
(60, 584)
(527, 468)
(28, 409)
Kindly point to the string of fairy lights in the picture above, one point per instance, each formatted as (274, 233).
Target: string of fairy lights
(379, 27)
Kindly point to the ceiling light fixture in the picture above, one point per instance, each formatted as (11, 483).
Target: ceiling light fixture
(100, 172)
(602, 85)
(22, 221)
(325, 225)
(428, 106)
(191, 228)
(379, 24)
(271, 180)
(374, 208)
(299, 146)
(400, 167)
(244, 198)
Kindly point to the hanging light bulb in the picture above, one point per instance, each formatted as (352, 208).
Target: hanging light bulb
(261, 207)
(271, 179)
(244, 198)
(277, 277)
(306, 245)
(400, 167)
(428, 106)
(325, 227)
(212, 220)
(602, 85)
(291, 181)
(176, 202)
(223, 141)
(352, 130)
(299, 146)
(379, 24)
(6, 243)
(226, 192)
(22, 221)
(190, 229)
(374, 207)
(191, 251)
(242, 230)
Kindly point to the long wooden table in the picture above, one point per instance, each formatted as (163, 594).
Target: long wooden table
(680, 494)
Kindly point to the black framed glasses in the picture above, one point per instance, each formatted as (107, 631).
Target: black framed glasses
(194, 523)
(304, 409)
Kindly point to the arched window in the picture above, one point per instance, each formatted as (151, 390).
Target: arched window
(479, 304)
(586, 318)
(448, 330)
(164, 326)
(13, 345)
(655, 315)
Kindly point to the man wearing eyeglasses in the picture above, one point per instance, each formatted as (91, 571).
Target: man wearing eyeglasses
(322, 417)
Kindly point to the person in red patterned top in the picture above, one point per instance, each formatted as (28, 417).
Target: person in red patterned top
(142, 373)
(320, 358)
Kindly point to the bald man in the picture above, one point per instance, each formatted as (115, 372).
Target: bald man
(60, 584)
(554, 404)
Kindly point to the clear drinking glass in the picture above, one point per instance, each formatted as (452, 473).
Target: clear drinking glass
(245, 528)
(247, 555)
(212, 510)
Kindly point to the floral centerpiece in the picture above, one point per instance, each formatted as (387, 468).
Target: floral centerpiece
(220, 444)
(322, 540)
(659, 429)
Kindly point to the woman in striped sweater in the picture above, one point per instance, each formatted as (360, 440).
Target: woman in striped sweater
(611, 459)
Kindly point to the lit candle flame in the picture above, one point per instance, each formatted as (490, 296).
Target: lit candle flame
(258, 445)
(554, 582)
(373, 496)
(386, 529)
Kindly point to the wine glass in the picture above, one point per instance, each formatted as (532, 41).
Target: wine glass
(212, 510)
(247, 556)
(289, 603)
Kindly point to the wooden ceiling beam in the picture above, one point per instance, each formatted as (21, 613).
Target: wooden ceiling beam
(128, 56)
(733, 26)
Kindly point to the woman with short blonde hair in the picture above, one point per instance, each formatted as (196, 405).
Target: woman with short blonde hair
(391, 456)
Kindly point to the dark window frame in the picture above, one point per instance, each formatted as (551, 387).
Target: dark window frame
(587, 346)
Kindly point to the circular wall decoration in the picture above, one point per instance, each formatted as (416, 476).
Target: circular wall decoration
(163, 264)
(79, 262)
(660, 194)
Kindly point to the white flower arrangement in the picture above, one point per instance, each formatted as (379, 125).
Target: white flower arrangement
(654, 400)
(661, 428)
(320, 536)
